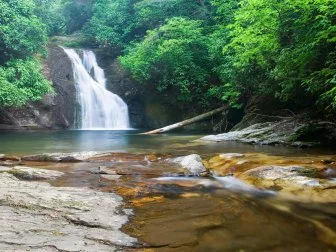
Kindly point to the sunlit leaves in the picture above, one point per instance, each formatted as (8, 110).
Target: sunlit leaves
(21, 81)
(174, 57)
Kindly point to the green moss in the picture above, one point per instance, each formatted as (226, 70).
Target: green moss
(308, 172)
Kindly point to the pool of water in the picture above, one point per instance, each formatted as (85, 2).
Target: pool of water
(31, 142)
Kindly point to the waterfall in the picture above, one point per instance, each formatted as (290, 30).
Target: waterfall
(98, 107)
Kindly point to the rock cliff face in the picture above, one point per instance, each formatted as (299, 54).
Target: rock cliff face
(54, 111)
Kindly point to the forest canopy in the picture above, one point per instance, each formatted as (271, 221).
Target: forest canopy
(204, 52)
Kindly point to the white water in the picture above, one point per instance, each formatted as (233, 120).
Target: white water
(99, 108)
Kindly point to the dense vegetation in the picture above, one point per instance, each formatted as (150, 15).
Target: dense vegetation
(203, 52)
(210, 51)
(22, 35)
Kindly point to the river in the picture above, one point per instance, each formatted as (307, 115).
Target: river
(174, 213)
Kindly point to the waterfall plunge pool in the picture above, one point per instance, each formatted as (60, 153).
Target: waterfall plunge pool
(186, 142)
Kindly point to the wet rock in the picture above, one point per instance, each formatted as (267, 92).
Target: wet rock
(9, 160)
(292, 131)
(290, 173)
(62, 157)
(231, 155)
(10, 163)
(111, 177)
(250, 134)
(31, 173)
(60, 218)
(103, 170)
(293, 181)
(192, 163)
(4, 157)
(328, 172)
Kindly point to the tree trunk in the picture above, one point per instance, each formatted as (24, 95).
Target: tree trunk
(188, 121)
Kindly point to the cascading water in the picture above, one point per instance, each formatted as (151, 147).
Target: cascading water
(99, 108)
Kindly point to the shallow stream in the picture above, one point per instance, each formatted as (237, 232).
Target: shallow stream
(178, 213)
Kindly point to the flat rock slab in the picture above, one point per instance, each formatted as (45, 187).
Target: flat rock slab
(290, 173)
(62, 157)
(231, 155)
(31, 173)
(35, 216)
(293, 180)
(282, 132)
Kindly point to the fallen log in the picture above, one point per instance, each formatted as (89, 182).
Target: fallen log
(186, 122)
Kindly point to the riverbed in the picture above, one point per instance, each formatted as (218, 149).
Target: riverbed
(174, 212)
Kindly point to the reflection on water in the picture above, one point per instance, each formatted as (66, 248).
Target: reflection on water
(70, 141)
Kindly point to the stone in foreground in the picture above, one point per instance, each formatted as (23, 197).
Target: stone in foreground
(38, 217)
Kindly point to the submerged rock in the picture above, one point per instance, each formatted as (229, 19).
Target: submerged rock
(231, 155)
(192, 163)
(31, 173)
(60, 218)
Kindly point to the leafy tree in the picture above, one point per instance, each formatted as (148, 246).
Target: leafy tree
(21, 81)
(283, 47)
(153, 13)
(21, 31)
(76, 14)
(22, 34)
(51, 13)
(176, 58)
(112, 22)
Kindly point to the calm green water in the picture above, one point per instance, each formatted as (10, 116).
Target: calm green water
(16, 142)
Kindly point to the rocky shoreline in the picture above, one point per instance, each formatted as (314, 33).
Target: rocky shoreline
(292, 132)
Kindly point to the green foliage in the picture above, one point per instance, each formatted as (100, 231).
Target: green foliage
(112, 22)
(175, 57)
(22, 34)
(21, 31)
(76, 14)
(21, 81)
(204, 51)
(51, 13)
(287, 46)
(152, 13)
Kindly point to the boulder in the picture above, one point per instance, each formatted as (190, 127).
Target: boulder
(192, 163)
